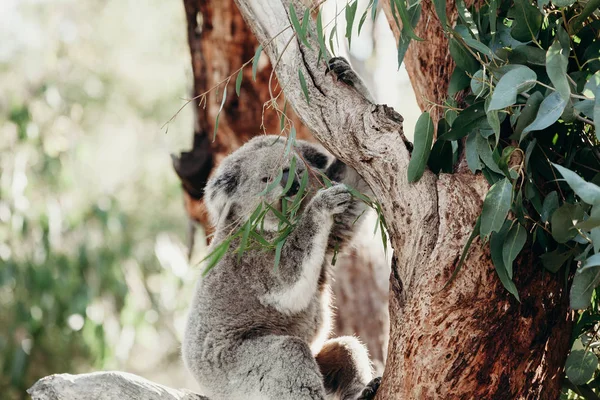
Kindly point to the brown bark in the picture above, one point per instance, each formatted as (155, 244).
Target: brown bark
(220, 42)
(472, 339)
(499, 348)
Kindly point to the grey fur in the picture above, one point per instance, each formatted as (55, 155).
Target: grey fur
(254, 332)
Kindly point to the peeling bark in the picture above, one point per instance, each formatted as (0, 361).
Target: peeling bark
(470, 340)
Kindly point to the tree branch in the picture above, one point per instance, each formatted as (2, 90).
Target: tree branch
(365, 136)
(110, 385)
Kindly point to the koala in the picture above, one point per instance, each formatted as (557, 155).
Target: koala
(259, 332)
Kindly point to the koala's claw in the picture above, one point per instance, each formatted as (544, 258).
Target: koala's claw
(370, 390)
(342, 70)
(334, 199)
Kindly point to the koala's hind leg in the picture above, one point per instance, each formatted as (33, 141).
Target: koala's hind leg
(276, 368)
(347, 374)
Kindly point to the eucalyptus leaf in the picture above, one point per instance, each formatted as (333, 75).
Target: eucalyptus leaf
(517, 81)
(495, 207)
(548, 113)
(527, 21)
(556, 68)
(422, 147)
(513, 244)
(479, 83)
(580, 366)
(485, 153)
(563, 227)
(549, 206)
(587, 191)
(554, 260)
(582, 288)
(473, 161)
(528, 114)
(496, 245)
(589, 90)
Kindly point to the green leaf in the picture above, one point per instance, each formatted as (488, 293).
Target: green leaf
(496, 245)
(548, 113)
(554, 260)
(273, 184)
(238, 81)
(463, 59)
(255, 61)
(321, 36)
(494, 121)
(527, 21)
(278, 249)
(216, 255)
(422, 147)
(516, 81)
(577, 22)
(586, 107)
(563, 3)
(472, 155)
(303, 85)
(414, 13)
(468, 120)
(580, 366)
(528, 54)
(350, 13)
(485, 153)
(479, 85)
(300, 29)
(584, 283)
(556, 68)
(467, 17)
(480, 47)
(528, 114)
(563, 228)
(459, 80)
(363, 18)
(513, 244)
(550, 205)
(591, 262)
(291, 176)
(440, 10)
(495, 207)
(440, 159)
(400, 5)
(587, 191)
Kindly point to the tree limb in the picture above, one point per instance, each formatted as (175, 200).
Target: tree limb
(110, 385)
(365, 136)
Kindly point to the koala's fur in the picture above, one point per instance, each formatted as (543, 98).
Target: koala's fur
(255, 332)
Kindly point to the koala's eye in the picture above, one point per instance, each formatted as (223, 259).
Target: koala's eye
(265, 179)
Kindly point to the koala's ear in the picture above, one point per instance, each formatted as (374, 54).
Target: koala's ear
(220, 190)
(315, 155)
(226, 182)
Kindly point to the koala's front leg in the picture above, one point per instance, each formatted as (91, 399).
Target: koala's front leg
(340, 67)
(303, 253)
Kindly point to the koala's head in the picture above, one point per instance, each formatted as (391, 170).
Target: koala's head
(239, 183)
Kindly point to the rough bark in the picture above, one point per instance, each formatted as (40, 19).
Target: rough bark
(110, 385)
(471, 340)
(220, 42)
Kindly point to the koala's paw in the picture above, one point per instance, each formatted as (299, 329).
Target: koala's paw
(370, 390)
(341, 68)
(334, 200)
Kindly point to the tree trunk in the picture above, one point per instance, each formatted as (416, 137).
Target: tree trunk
(472, 339)
(220, 43)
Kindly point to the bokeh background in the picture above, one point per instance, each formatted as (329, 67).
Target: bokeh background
(93, 258)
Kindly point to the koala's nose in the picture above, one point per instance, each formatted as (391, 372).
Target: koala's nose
(295, 185)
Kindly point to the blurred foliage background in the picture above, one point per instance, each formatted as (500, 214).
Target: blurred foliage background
(93, 270)
(93, 266)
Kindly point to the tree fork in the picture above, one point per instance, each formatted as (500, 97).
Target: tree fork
(472, 339)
